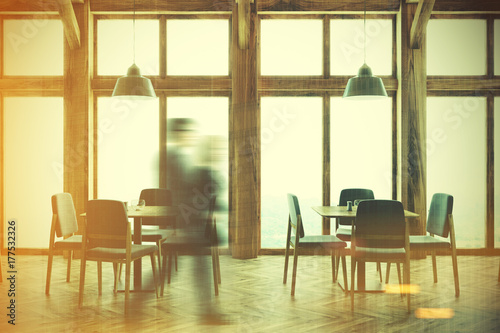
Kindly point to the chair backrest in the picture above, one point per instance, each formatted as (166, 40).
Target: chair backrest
(351, 194)
(107, 223)
(157, 197)
(380, 224)
(62, 206)
(294, 212)
(437, 221)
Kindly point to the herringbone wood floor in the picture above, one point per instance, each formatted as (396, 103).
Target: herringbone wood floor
(253, 294)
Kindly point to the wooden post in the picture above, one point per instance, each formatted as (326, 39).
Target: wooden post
(77, 113)
(244, 224)
(413, 90)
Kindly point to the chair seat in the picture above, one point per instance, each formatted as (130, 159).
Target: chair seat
(70, 242)
(325, 241)
(426, 241)
(344, 233)
(138, 251)
(379, 254)
(153, 235)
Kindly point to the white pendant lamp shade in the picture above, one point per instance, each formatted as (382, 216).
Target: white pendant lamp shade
(365, 85)
(134, 85)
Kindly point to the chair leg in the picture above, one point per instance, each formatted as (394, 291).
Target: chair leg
(68, 269)
(344, 272)
(379, 270)
(162, 273)
(434, 266)
(337, 266)
(155, 279)
(406, 278)
(218, 264)
(455, 272)
(169, 268)
(83, 265)
(49, 272)
(127, 284)
(353, 271)
(334, 273)
(115, 272)
(286, 264)
(99, 277)
(294, 271)
(398, 266)
(387, 272)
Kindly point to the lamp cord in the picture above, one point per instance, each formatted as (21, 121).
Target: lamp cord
(133, 27)
(364, 36)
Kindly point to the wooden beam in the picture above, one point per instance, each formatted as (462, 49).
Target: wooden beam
(243, 23)
(419, 24)
(68, 18)
(478, 84)
(24, 6)
(162, 6)
(328, 5)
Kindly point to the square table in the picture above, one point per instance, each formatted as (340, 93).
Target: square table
(341, 211)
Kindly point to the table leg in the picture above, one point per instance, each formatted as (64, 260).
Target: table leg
(138, 262)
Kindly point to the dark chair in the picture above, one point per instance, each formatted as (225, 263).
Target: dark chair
(187, 241)
(107, 237)
(380, 234)
(64, 225)
(165, 225)
(343, 225)
(297, 239)
(439, 223)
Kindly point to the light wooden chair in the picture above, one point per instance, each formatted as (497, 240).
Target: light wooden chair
(297, 239)
(64, 224)
(107, 237)
(439, 223)
(181, 241)
(379, 234)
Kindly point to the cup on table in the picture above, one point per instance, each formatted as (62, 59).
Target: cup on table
(349, 206)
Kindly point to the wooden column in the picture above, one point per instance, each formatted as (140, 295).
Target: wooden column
(77, 113)
(244, 225)
(413, 90)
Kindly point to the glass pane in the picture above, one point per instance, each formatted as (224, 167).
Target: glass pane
(115, 46)
(208, 147)
(291, 145)
(361, 146)
(456, 47)
(347, 46)
(456, 162)
(197, 47)
(497, 175)
(127, 148)
(291, 47)
(497, 47)
(33, 132)
(33, 47)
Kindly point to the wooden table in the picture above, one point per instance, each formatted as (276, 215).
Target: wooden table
(341, 211)
(146, 211)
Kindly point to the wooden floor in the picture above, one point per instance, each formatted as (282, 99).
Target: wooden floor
(253, 295)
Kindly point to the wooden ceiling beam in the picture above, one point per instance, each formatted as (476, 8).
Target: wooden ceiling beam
(419, 24)
(27, 6)
(70, 24)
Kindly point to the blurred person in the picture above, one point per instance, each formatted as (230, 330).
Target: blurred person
(191, 181)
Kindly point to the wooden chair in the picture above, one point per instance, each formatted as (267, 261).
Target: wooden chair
(181, 241)
(343, 225)
(439, 223)
(166, 225)
(64, 224)
(107, 237)
(297, 239)
(380, 234)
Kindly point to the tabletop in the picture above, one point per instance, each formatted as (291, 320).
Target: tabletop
(149, 211)
(341, 211)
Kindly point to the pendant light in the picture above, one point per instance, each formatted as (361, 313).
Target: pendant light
(134, 85)
(365, 85)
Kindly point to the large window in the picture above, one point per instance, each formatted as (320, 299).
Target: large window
(291, 146)
(128, 148)
(361, 146)
(33, 47)
(33, 132)
(456, 162)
